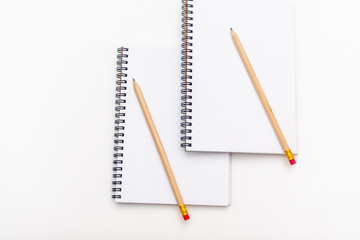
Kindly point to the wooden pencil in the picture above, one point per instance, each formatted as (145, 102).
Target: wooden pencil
(161, 151)
(262, 97)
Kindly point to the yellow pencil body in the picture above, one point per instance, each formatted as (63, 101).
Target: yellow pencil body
(161, 151)
(262, 97)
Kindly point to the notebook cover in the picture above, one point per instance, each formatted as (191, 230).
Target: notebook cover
(139, 176)
(221, 110)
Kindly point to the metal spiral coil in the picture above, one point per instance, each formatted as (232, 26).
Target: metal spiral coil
(186, 70)
(120, 108)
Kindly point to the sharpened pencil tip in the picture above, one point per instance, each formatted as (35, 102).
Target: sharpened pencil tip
(133, 79)
(230, 28)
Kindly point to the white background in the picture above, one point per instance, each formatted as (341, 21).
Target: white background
(57, 64)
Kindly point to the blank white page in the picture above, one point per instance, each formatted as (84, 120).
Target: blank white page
(227, 113)
(203, 178)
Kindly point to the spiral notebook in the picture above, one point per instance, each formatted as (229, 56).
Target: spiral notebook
(221, 110)
(139, 175)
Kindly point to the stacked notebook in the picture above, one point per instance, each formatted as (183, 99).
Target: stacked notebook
(209, 108)
(203, 178)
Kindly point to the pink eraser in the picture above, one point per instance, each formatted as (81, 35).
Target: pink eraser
(186, 217)
(292, 161)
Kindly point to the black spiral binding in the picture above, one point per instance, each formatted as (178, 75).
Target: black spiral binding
(120, 108)
(186, 70)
